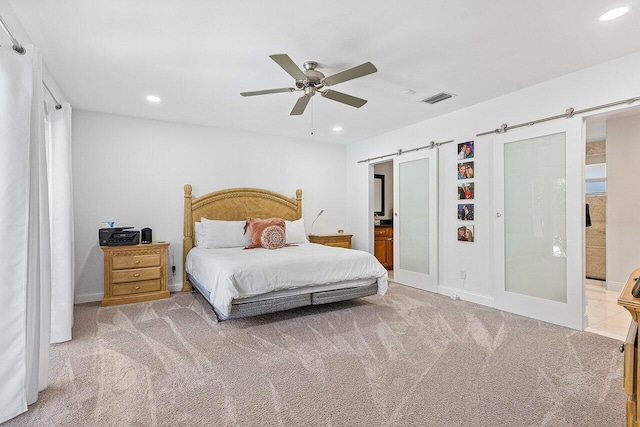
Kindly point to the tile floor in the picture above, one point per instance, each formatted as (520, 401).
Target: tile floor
(605, 316)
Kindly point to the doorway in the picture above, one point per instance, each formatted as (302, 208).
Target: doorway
(613, 229)
(403, 208)
(382, 213)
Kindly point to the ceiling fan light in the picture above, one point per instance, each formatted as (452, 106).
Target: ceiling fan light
(313, 81)
(614, 13)
(153, 98)
(337, 129)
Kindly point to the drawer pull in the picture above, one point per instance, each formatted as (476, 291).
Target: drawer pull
(136, 275)
(136, 261)
(137, 287)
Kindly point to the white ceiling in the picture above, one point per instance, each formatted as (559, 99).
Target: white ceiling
(198, 56)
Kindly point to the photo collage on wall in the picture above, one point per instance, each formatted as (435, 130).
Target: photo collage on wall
(466, 191)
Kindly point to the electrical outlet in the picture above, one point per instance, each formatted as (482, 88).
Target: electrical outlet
(463, 274)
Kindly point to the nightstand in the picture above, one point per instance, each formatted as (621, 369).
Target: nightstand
(337, 240)
(135, 273)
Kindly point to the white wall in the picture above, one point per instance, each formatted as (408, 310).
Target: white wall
(133, 171)
(608, 82)
(623, 203)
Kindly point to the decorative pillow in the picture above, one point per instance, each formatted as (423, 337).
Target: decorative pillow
(222, 234)
(295, 231)
(266, 233)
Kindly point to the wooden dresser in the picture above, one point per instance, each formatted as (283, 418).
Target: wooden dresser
(383, 246)
(631, 371)
(337, 240)
(135, 273)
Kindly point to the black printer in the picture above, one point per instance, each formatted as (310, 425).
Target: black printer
(118, 236)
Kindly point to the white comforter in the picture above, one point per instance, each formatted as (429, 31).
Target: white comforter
(230, 273)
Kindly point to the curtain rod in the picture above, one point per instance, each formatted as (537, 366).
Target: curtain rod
(16, 46)
(58, 106)
(401, 152)
(570, 112)
(21, 50)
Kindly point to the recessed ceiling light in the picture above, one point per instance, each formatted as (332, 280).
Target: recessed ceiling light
(337, 129)
(614, 13)
(153, 98)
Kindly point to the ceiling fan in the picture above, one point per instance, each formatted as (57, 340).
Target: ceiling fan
(312, 81)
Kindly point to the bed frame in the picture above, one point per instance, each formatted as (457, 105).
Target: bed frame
(236, 204)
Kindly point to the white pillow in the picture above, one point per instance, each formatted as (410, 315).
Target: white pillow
(223, 234)
(199, 233)
(295, 231)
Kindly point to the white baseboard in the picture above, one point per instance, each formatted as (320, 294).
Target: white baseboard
(615, 286)
(466, 295)
(175, 287)
(84, 298)
(585, 321)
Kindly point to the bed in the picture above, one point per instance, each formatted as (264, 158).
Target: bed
(293, 276)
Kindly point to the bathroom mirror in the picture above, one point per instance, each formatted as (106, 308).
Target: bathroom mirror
(378, 195)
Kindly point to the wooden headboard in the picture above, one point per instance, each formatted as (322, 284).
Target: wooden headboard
(234, 204)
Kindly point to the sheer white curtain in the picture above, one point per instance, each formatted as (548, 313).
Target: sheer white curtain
(58, 137)
(25, 258)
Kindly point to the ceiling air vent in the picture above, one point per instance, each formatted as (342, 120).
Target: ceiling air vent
(437, 98)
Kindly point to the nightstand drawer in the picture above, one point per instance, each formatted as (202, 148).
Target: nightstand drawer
(335, 240)
(135, 261)
(135, 275)
(136, 287)
(346, 245)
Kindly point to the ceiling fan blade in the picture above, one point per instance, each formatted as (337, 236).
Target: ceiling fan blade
(300, 105)
(268, 91)
(351, 73)
(344, 98)
(288, 65)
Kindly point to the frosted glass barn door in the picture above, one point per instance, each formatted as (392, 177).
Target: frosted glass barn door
(539, 223)
(415, 228)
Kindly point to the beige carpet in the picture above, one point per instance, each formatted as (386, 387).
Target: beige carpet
(410, 358)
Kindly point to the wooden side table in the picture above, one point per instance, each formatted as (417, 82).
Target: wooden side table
(135, 273)
(337, 240)
(631, 373)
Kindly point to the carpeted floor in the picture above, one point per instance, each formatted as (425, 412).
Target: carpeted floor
(410, 358)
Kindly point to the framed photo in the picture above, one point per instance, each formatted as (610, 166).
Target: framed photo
(465, 233)
(465, 170)
(465, 212)
(465, 150)
(465, 191)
